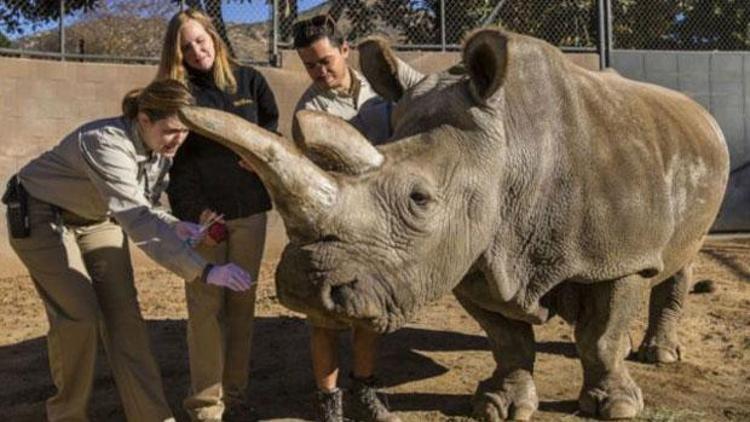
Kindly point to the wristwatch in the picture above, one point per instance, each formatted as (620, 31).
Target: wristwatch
(204, 275)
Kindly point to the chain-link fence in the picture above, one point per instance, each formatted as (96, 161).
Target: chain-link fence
(681, 25)
(442, 24)
(125, 30)
(133, 29)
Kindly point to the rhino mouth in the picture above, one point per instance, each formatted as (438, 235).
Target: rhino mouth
(310, 285)
(364, 301)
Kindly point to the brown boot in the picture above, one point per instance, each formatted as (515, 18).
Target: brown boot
(329, 405)
(363, 404)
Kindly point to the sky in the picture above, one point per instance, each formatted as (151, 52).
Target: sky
(234, 12)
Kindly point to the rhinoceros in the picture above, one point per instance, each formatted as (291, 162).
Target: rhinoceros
(524, 184)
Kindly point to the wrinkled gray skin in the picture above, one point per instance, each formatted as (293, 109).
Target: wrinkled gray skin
(524, 184)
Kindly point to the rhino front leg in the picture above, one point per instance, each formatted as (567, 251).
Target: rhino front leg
(661, 345)
(510, 393)
(601, 331)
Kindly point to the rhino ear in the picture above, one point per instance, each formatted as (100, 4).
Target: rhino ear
(388, 75)
(486, 57)
(334, 144)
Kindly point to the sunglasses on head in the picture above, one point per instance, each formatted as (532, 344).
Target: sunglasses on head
(316, 24)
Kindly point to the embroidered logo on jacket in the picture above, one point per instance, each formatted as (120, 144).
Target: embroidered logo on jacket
(242, 101)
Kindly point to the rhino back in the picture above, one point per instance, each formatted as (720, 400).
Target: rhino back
(651, 166)
(603, 177)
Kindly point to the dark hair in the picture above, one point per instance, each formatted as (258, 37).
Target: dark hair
(310, 30)
(158, 100)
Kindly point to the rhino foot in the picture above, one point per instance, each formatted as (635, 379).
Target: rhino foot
(653, 352)
(512, 397)
(612, 400)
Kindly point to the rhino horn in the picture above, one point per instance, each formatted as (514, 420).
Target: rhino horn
(334, 144)
(301, 191)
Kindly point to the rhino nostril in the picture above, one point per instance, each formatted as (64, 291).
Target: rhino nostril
(337, 290)
(337, 295)
(329, 238)
(343, 295)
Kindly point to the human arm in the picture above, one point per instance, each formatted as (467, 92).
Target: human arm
(112, 168)
(210, 231)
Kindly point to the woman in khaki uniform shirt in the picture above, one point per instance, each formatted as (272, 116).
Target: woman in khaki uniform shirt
(99, 184)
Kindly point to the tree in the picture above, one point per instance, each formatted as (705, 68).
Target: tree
(713, 24)
(126, 28)
(565, 23)
(637, 24)
(645, 24)
(416, 22)
(14, 14)
(213, 9)
(361, 17)
(287, 16)
(4, 41)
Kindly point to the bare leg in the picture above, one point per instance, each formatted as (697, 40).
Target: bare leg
(608, 308)
(325, 360)
(510, 393)
(365, 344)
(660, 345)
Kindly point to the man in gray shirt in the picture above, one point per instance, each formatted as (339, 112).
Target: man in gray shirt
(340, 90)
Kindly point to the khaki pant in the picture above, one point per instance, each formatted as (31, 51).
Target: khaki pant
(220, 324)
(84, 277)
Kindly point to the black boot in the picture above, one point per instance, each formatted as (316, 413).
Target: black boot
(363, 404)
(329, 405)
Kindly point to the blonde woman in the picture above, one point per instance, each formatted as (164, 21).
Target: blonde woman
(207, 181)
(70, 212)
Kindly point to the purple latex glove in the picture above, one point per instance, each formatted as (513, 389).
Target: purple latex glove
(230, 276)
(188, 232)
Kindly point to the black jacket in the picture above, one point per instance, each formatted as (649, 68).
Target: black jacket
(206, 174)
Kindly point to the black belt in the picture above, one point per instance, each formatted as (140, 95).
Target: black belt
(70, 218)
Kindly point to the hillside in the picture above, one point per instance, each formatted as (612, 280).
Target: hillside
(129, 36)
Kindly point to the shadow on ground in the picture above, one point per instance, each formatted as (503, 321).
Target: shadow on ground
(281, 383)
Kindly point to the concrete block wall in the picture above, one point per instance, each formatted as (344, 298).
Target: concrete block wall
(42, 101)
(720, 81)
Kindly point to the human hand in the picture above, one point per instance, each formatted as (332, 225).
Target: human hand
(188, 232)
(209, 219)
(230, 276)
(209, 216)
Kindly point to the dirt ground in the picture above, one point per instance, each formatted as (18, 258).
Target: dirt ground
(429, 369)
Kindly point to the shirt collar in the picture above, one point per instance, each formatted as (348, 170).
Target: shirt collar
(354, 91)
(142, 153)
(199, 78)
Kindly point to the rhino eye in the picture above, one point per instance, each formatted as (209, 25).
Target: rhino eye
(420, 198)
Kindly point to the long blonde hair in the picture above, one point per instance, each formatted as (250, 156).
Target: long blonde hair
(171, 65)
